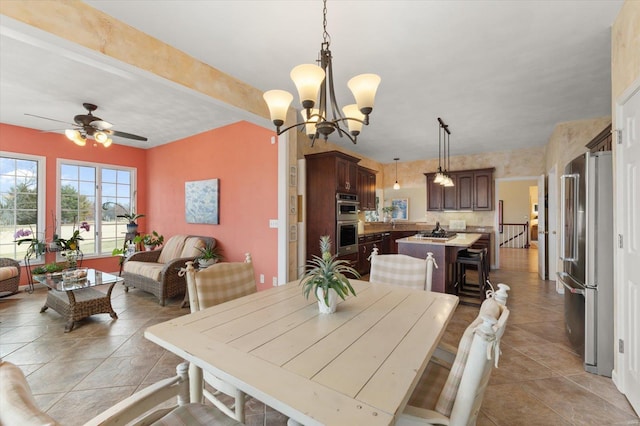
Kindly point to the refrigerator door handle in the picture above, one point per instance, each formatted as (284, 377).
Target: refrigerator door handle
(573, 256)
(575, 290)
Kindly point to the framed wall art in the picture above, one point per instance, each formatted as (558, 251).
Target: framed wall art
(202, 201)
(401, 209)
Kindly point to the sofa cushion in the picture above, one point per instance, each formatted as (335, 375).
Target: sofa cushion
(150, 270)
(191, 246)
(172, 249)
(7, 272)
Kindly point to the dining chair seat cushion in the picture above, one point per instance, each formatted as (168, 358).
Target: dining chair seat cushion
(172, 249)
(192, 246)
(196, 414)
(17, 406)
(7, 272)
(399, 269)
(149, 270)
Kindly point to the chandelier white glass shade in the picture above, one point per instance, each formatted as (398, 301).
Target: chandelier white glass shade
(444, 147)
(317, 97)
(396, 185)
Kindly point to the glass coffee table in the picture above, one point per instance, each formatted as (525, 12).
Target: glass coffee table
(76, 298)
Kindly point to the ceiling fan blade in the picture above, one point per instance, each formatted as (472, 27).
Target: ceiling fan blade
(52, 119)
(126, 135)
(101, 124)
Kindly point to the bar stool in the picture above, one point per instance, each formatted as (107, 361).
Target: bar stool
(477, 259)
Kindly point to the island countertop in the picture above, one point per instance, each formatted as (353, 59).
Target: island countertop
(461, 240)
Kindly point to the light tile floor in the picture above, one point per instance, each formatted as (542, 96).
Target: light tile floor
(76, 375)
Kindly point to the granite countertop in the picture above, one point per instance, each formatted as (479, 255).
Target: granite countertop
(378, 227)
(461, 240)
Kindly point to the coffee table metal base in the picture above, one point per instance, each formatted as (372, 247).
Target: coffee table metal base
(75, 305)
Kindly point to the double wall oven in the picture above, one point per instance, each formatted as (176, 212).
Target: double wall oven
(347, 223)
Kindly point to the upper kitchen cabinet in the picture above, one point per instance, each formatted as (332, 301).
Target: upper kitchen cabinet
(472, 190)
(347, 173)
(602, 142)
(332, 172)
(366, 188)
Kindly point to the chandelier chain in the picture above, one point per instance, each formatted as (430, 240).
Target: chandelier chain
(325, 35)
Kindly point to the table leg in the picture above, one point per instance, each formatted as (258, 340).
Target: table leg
(196, 383)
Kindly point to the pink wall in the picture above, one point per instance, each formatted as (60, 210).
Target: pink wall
(54, 146)
(242, 157)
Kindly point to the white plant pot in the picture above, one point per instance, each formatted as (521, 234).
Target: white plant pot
(148, 248)
(204, 263)
(333, 301)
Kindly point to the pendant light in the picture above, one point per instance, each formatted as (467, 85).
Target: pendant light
(444, 147)
(396, 185)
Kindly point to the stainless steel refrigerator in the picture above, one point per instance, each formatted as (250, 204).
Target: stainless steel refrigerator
(587, 255)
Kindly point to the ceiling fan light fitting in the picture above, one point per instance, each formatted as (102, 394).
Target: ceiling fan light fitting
(107, 143)
(100, 136)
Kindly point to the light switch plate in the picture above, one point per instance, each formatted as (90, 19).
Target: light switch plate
(273, 223)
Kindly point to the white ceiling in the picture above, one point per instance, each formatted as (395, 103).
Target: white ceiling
(500, 73)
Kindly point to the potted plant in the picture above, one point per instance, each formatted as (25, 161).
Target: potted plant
(36, 246)
(132, 226)
(387, 211)
(150, 241)
(325, 277)
(49, 268)
(210, 255)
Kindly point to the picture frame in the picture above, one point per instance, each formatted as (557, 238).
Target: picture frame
(202, 201)
(401, 209)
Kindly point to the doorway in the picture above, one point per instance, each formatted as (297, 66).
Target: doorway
(516, 231)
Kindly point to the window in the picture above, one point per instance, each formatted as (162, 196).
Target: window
(21, 202)
(95, 194)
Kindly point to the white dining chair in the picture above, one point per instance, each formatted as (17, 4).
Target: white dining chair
(451, 389)
(163, 403)
(211, 286)
(398, 269)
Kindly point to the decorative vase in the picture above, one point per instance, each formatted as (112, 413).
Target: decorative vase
(132, 228)
(333, 301)
(72, 258)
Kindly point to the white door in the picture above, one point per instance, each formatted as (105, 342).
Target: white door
(628, 227)
(542, 228)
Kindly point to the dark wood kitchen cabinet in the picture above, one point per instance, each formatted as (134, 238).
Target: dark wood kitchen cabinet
(602, 142)
(366, 244)
(328, 173)
(346, 173)
(472, 190)
(366, 188)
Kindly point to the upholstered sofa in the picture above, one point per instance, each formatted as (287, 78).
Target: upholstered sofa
(157, 271)
(9, 276)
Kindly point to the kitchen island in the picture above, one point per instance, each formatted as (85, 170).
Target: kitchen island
(444, 252)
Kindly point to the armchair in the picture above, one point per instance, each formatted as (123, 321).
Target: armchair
(9, 276)
(157, 271)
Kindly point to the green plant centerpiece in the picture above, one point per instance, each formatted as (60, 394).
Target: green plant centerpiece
(209, 255)
(387, 212)
(325, 276)
(150, 241)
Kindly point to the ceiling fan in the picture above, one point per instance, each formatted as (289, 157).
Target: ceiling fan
(89, 125)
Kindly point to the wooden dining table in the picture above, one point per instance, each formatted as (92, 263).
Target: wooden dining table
(356, 366)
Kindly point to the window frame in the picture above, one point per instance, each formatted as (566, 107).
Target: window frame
(42, 195)
(97, 228)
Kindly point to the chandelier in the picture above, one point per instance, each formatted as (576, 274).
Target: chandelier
(311, 79)
(444, 147)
